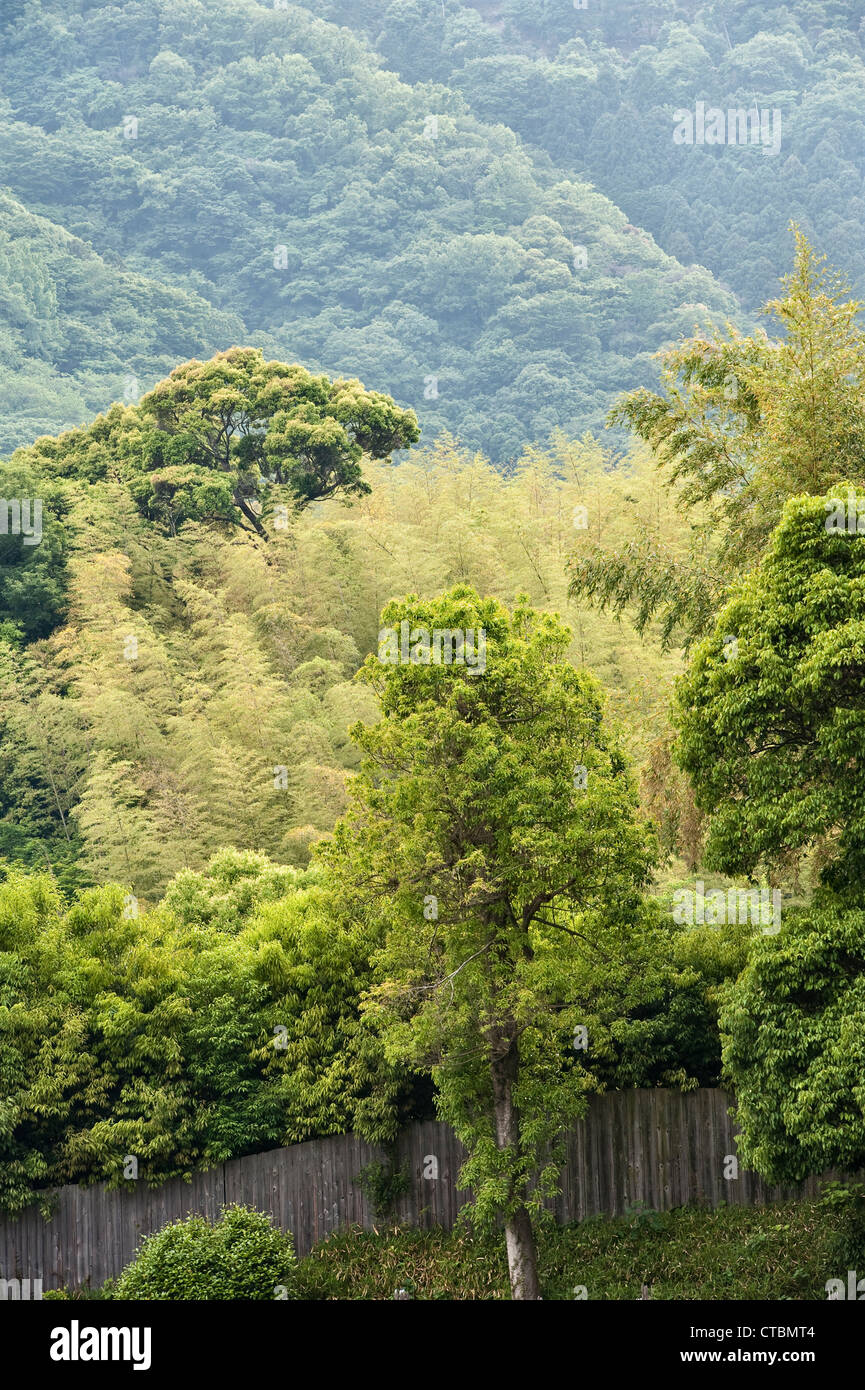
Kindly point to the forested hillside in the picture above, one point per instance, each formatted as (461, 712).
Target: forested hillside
(78, 331)
(261, 162)
(261, 159)
(595, 86)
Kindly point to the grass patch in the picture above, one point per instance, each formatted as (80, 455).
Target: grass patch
(765, 1253)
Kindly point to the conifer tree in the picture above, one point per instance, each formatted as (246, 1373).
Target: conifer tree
(492, 829)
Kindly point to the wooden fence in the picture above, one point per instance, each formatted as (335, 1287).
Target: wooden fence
(660, 1147)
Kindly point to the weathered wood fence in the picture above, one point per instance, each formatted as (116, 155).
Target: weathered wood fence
(661, 1147)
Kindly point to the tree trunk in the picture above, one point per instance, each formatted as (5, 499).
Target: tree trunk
(519, 1236)
(240, 502)
(522, 1255)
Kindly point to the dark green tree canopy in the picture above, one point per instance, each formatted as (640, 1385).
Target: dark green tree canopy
(794, 1047)
(228, 439)
(771, 713)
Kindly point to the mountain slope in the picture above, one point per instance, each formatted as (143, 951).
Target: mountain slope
(77, 332)
(263, 159)
(596, 89)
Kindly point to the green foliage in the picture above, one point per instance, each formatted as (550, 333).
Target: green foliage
(649, 1001)
(647, 580)
(229, 1021)
(228, 891)
(793, 1026)
(639, 1216)
(760, 1253)
(596, 89)
(37, 1020)
(742, 424)
(770, 724)
(182, 1040)
(177, 652)
(491, 885)
(230, 726)
(298, 196)
(82, 1293)
(240, 1256)
(383, 1185)
(845, 1203)
(215, 434)
(290, 190)
(79, 328)
(32, 569)
(314, 951)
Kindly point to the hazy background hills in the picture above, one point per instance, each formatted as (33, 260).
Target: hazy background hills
(595, 88)
(407, 201)
(264, 161)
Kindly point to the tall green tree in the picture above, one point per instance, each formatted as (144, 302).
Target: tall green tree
(771, 712)
(492, 827)
(771, 720)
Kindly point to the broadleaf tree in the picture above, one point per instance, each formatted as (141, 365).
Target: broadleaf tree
(793, 1029)
(220, 439)
(771, 719)
(771, 712)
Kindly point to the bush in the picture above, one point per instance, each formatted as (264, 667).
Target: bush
(240, 1256)
(383, 1185)
(845, 1204)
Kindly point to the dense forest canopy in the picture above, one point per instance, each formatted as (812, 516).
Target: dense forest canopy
(264, 161)
(246, 639)
(595, 86)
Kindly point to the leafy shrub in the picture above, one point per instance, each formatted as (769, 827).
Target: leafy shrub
(382, 1185)
(844, 1202)
(240, 1256)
